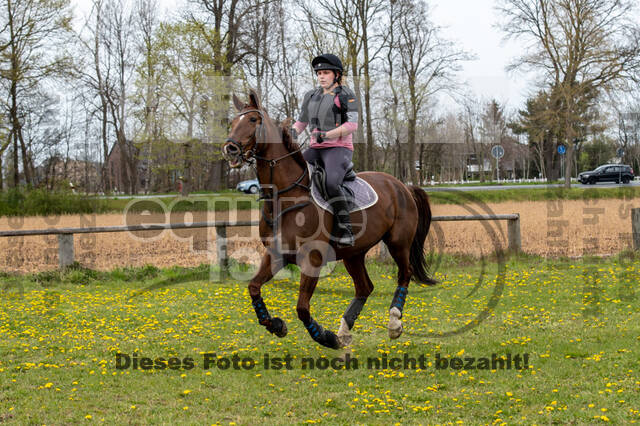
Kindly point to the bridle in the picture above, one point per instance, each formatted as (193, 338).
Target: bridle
(273, 162)
(244, 155)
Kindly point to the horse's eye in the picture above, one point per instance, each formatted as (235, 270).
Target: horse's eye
(253, 119)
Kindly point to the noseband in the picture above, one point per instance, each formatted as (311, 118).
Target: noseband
(244, 155)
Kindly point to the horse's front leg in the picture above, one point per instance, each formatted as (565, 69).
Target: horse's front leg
(268, 268)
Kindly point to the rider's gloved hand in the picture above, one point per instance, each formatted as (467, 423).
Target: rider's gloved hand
(319, 135)
(294, 133)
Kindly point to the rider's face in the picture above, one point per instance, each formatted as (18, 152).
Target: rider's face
(325, 78)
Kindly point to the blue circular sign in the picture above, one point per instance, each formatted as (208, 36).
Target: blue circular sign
(497, 152)
(561, 149)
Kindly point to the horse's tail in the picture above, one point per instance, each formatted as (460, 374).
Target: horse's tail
(416, 255)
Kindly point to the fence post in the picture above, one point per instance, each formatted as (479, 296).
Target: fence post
(65, 250)
(513, 234)
(221, 250)
(635, 228)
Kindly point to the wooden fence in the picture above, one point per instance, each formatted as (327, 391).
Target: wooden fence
(66, 240)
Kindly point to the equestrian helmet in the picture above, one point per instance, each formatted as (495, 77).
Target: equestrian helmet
(327, 62)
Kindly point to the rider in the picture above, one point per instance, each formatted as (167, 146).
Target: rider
(332, 110)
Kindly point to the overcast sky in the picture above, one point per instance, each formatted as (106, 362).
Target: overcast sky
(471, 24)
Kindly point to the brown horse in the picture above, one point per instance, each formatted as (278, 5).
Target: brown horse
(294, 229)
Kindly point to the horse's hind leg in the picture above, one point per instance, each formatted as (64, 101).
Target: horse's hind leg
(400, 253)
(356, 268)
(268, 268)
(316, 331)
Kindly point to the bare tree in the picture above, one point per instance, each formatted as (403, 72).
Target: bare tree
(580, 46)
(472, 124)
(627, 114)
(31, 50)
(358, 24)
(428, 63)
(494, 126)
(147, 21)
(118, 43)
(392, 113)
(287, 66)
(93, 71)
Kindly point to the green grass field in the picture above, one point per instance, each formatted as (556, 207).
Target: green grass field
(576, 320)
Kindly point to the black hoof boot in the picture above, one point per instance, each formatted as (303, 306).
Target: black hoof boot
(278, 327)
(324, 337)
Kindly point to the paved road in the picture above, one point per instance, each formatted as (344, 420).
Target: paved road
(502, 187)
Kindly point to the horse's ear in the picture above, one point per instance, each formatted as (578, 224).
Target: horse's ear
(254, 99)
(237, 103)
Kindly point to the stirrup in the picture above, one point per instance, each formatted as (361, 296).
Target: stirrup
(346, 240)
(344, 237)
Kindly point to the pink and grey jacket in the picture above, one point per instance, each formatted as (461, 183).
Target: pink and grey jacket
(317, 109)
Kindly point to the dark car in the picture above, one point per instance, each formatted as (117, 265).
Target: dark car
(608, 173)
(249, 186)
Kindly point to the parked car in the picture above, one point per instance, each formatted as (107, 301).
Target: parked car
(249, 186)
(608, 173)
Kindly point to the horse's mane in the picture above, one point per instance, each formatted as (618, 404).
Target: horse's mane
(289, 144)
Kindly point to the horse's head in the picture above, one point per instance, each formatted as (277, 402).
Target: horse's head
(247, 131)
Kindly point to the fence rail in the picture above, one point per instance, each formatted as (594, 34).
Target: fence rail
(66, 243)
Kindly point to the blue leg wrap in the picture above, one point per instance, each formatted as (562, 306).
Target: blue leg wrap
(399, 298)
(322, 336)
(261, 310)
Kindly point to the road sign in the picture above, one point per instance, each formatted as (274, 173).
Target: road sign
(620, 152)
(562, 149)
(497, 152)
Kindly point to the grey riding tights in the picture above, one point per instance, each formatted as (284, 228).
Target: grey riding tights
(336, 161)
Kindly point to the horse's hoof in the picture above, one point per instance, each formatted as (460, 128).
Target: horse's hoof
(345, 340)
(278, 327)
(344, 336)
(395, 324)
(395, 332)
(284, 330)
(331, 340)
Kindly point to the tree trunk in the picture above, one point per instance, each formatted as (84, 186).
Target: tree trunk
(481, 171)
(367, 98)
(186, 175)
(16, 172)
(568, 162)
(411, 136)
(26, 163)
(360, 153)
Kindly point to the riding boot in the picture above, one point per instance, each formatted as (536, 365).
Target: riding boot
(342, 227)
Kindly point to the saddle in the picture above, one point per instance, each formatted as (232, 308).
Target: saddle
(359, 194)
